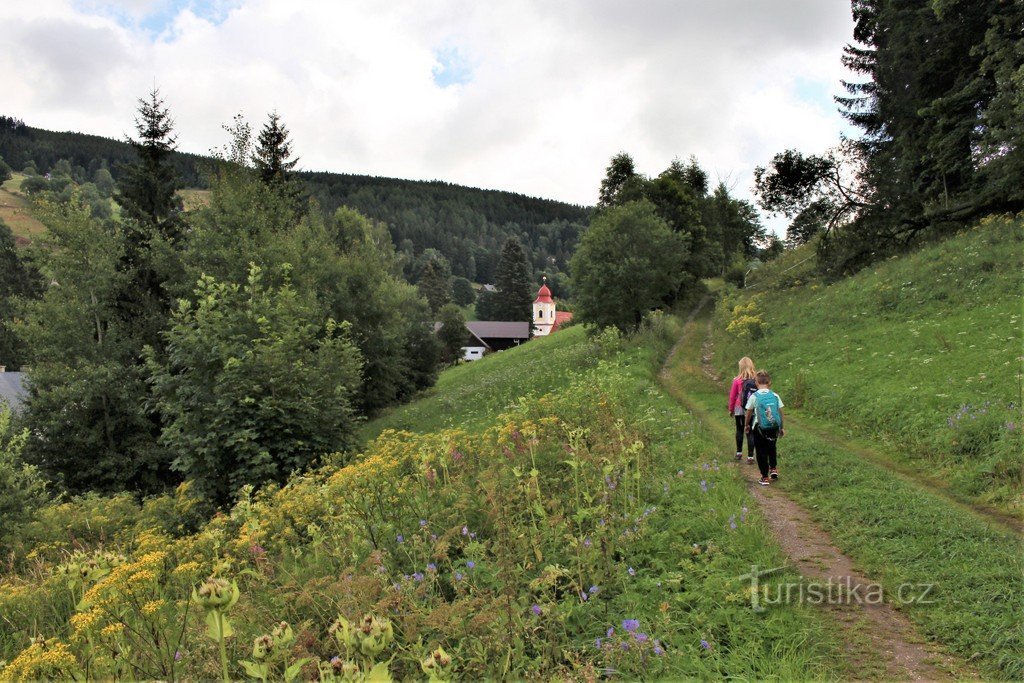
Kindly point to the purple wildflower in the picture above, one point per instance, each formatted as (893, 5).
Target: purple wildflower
(431, 567)
(705, 644)
(594, 590)
(417, 576)
(587, 542)
(423, 523)
(640, 637)
(597, 643)
(625, 645)
(611, 632)
(631, 571)
(631, 625)
(400, 538)
(732, 521)
(177, 655)
(465, 531)
(703, 486)
(470, 564)
(658, 649)
(536, 609)
(458, 576)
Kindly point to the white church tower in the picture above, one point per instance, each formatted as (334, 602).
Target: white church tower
(543, 311)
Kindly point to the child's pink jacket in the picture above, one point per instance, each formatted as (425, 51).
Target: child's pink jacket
(735, 393)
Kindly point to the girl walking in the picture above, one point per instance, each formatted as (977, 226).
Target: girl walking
(743, 385)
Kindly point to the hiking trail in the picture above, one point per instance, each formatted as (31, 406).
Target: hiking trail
(871, 632)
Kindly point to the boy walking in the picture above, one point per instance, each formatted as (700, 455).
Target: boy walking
(764, 421)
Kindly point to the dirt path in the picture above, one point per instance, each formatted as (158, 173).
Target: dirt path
(877, 629)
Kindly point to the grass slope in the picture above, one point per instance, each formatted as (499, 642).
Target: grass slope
(554, 515)
(16, 211)
(921, 355)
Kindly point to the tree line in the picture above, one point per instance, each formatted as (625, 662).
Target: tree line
(937, 100)
(468, 226)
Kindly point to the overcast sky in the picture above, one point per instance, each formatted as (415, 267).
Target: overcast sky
(533, 96)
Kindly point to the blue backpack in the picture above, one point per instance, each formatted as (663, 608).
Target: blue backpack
(769, 414)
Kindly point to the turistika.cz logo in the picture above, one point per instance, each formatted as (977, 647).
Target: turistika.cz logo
(833, 591)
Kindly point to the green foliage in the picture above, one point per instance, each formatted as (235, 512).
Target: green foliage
(463, 293)
(18, 279)
(272, 157)
(5, 171)
(514, 299)
(251, 376)
(435, 284)
(627, 264)
(506, 549)
(87, 396)
(452, 333)
(22, 487)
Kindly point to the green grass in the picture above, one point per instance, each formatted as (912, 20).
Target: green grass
(897, 531)
(921, 355)
(613, 459)
(16, 211)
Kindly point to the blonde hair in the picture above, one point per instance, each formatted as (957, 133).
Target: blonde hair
(746, 368)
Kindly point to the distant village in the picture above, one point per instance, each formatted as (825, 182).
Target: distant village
(486, 336)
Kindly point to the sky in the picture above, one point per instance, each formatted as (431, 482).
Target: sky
(532, 96)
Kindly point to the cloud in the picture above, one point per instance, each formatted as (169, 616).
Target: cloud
(527, 95)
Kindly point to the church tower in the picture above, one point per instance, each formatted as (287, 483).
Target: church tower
(543, 311)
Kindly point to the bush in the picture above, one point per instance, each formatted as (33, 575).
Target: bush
(22, 487)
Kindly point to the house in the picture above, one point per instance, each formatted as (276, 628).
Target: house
(546, 319)
(12, 389)
(493, 335)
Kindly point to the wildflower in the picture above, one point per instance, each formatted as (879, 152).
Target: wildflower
(177, 655)
(640, 637)
(611, 632)
(703, 486)
(705, 644)
(472, 535)
(631, 625)
(400, 538)
(625, 645)
(586, 542)
(536, 609)
(597, 643)
(732, 522)
(417, 576)
(423, 523)
(465, 531)
(470, 564)
(631, 571)
(658, 649)
(594, 590)
(679, 473)
(583, 596)
(431, 567)
(458, 576)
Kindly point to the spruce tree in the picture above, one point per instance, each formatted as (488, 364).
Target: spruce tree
(514, 300)
(273, 155)
(147, 189)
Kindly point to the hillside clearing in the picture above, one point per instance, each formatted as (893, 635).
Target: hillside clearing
(16, 212)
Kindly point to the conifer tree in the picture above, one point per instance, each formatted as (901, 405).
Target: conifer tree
(514, 300)
(147, 189)
(273, 156)
(435, 285)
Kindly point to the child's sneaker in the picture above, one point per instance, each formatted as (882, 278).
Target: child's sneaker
(739, 456)
(765, 481)
(773, 473)
(750, 460)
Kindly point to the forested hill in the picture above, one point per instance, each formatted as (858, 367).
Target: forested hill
(467, 225)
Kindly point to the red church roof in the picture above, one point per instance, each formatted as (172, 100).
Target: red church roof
(543, 295)
(561, 317)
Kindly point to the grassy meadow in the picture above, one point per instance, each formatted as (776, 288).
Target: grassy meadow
(920, 356)
(919, 360)
(545, 512)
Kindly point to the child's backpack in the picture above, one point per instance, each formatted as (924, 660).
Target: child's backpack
(749, 387)
(769, 416)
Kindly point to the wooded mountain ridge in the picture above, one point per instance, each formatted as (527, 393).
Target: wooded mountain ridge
(468, 225)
